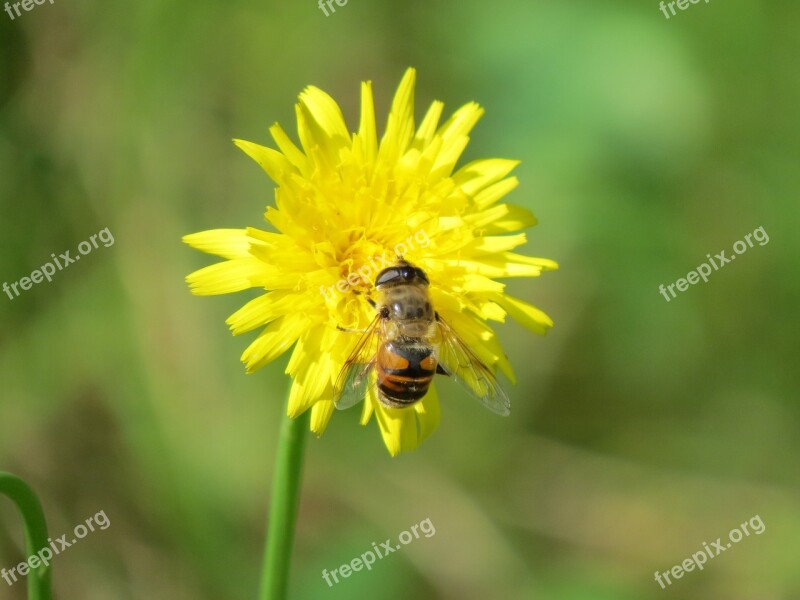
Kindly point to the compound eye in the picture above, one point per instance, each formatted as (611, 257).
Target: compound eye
(386, 276)
(407, 273)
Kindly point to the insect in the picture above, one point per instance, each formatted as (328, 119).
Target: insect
(413, 344)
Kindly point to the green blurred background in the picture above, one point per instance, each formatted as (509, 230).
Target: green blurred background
(640, 428)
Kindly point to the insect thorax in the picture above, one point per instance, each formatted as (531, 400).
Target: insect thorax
(409, 308)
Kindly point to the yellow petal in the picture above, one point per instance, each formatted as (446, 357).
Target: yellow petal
(448, 157)
(479, 174)
(227, 243)
(403, 429)
(428, 414)
(491, 194)
(325, 112)
(478, 283)
(366, 411)
(494, 244)
(276, 339)
(543, 264)
(321, 127)
(493, 312)
(365, 143)
(273, 162)
(400, 125)
(427, 129)
(264, 309)
(321, 414)
(306, 394)
(289, 149)
(227, 276)
(525, 314)
(313, 368)
(314, 385)
(503, 265)
(503, 218)
(461, 123)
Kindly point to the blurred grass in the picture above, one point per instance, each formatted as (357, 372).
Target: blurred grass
(640, 428)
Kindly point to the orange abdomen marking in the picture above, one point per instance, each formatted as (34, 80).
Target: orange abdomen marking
(405, 370)
(389, 359)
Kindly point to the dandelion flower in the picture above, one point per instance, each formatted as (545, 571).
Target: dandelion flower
(345, 206)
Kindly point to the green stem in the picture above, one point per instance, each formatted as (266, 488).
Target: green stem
(35, 532)
(283, 512)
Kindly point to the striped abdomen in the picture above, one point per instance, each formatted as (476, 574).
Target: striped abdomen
(405, 369)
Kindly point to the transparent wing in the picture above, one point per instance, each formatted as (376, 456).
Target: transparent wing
(351, 384)
(461, 363)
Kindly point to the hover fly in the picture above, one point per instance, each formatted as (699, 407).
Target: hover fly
(413, 344)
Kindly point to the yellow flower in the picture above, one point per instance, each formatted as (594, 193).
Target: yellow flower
(345, 207)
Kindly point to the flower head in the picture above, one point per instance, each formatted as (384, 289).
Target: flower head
(345, 207)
